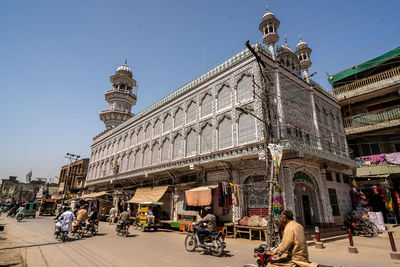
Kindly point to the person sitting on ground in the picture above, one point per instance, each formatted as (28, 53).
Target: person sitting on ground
(81, 217)
(211, 221)
(65, 220)
(292, 251)
(123, 219)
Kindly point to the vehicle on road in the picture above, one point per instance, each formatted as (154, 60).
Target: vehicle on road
(359, 226)
(60, 234)
(79, 230)
(48, 207)
(19, 217)
(124, 229)
(149, 217)
(30, 210)
(215, 242)
(92, 227)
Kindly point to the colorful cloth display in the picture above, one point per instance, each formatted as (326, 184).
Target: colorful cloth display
(393, 158)
(278, 203)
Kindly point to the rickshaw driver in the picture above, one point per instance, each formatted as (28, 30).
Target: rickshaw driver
(20, 210)
(211, 221)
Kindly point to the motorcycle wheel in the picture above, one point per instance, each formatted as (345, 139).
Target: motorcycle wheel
(95, 229)
(370, 230)
(81, 233)
(142, 228)
(190, 243)
(219, 250)
(126, 233)
(64, 237)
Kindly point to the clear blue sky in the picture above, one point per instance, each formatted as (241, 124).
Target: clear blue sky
(56, 58)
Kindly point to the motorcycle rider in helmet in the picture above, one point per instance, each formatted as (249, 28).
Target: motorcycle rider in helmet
(210, 220)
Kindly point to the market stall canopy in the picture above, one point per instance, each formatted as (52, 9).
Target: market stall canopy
(200, 196)
(148, 194)
(94, 195)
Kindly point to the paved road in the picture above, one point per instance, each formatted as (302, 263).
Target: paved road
(34, 239)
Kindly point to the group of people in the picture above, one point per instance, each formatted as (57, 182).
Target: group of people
(68, 220)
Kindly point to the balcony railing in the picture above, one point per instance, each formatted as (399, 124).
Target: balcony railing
(304, 141)
(367, 81)
(368, 119)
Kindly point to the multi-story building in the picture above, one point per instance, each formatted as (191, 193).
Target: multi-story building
(72, 178)
(369, 94)
(203, 133)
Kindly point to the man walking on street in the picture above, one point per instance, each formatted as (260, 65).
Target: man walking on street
(113, 214)
(293, 249)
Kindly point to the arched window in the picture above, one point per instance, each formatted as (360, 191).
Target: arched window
(244, 88)
(155, 154)
(140, 137)
(179, 116)
(206, 139)
(225, 133)
(224, 97)
(165, 155)
(167, 123)
(146, 156)
(123, 163)
(138, 159)
(129, 161)
(247, 129)
(133, 139)
(191, 112)
(177, 152)
(191, 143)
(206, 105)
(148, 132)
(157, 128)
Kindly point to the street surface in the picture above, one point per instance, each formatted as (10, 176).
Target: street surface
(33, 240)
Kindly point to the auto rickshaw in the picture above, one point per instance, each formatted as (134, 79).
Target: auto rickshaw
(149, 216)
(48, 206)
(30, 210)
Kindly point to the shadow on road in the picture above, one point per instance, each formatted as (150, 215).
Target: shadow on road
(206, 252)
(40, 245)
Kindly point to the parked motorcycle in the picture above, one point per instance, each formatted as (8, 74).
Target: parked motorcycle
(92, 227)
(215, 242)
(360, 226)
(123, 230)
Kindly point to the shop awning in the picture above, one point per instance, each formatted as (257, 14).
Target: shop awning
(94, 195)
(148, 194)
(199, 196)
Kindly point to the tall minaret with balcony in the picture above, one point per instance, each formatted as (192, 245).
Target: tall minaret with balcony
(303, 53)
(120, 98)
(269, 27)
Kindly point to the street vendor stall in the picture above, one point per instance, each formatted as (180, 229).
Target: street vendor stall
(100, 201)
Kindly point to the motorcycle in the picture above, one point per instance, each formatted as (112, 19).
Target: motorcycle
(20, 216)
(360, 226)
(123, 230)
(262, 257)
(215, 242)
(92, 227)
(79, 230)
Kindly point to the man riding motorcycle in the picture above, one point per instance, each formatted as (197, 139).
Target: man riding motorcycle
(81, 217)
(65, 221)
(211, 221)
(123, 219)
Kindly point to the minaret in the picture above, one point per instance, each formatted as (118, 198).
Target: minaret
(303, 53)
(120, 98)
(269, 27)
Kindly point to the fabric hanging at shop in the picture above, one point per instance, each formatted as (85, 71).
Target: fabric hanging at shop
(386, 196)
(224, 194)
(354, 198)
(236, 195)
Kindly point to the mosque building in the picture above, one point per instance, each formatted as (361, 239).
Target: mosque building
(208, 134)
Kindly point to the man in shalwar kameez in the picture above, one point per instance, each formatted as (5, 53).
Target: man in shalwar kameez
(292, 251)
(65, 220)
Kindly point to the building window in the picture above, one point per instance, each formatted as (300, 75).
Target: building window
(329, 176)
(191, 112)
(338, 178)
(206, 139)
(140, 136)
(244, 88)
(138, 159)
(177, 152)
(247, 129)
(165, 150)
(206, 105)
(225, 133)
(157, 128)
(155, 154)
(179, 116)
(191, 143)
(146, 156)
(346, 179)
(148, 132)
(133, 139)
(167, 123)
(334, 202)
(224, 97)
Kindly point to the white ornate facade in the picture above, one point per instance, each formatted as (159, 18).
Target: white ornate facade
(196, 134)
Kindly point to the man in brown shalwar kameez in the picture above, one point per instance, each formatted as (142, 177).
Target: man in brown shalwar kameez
(292, 251)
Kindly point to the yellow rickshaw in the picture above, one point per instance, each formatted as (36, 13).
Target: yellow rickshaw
(149, 214)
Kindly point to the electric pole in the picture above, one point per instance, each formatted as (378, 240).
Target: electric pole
(268, 136)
